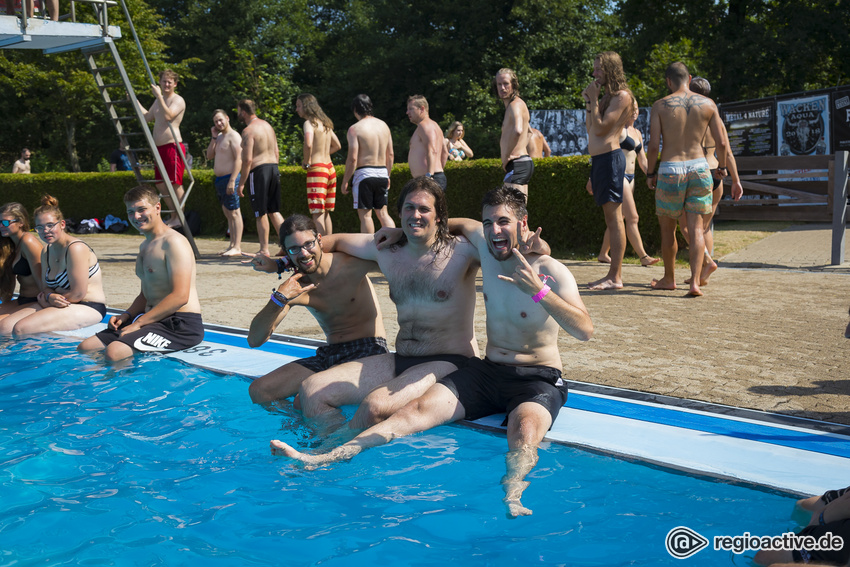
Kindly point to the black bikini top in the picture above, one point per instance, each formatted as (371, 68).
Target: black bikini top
(629, 145)
(22, 267)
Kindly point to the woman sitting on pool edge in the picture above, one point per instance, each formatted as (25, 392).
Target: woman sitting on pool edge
(72, 294)
(20, 260)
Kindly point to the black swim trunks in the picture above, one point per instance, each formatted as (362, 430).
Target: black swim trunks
(519, 170)
(402, 363)
(484, 387)
(371, 187)
(264, 189)
(177, 332)
(441, 180)
(840, 528)
(339, 353)
(607, 172)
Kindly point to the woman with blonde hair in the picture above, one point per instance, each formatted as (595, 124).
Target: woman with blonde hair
(457, 148)
(72, 294)
(20, 264)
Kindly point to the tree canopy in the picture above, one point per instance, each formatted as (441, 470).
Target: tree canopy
(448, 51)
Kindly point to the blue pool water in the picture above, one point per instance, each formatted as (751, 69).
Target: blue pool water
(166, 464)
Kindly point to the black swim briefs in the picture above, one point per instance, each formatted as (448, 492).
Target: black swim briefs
(440, 178)
(402, 363)
(264, 189)
(484, 387)
(99, 307)
(176, 332)
(840, 528)
(607, 172)
(519, 170)
(339, 353)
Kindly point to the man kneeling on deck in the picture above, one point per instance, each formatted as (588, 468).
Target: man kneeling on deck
(527, 300)
(335, 289)
(166, 315)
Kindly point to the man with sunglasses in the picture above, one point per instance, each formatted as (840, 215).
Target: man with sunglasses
(335, 289)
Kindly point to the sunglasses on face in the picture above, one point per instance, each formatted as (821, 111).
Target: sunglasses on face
(7, 223)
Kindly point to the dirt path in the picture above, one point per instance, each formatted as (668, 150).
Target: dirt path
(767, 335)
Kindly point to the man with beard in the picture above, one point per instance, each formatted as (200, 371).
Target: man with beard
(431, 277)
(335, 289)
(225, 149)
(605, 119)
(166, 315)
(521, 374)
(516, 162)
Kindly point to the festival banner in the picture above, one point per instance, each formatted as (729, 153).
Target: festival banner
(841, 120)
(564, 130)
(803, 125)
(750, 127)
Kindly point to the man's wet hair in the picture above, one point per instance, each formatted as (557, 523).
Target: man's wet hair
(362, 105)
(512, 198)
(677, 73)
(248, 106)
(514, 82)
(443, 238)
(296, 223)
(701, 86)
(142, 193)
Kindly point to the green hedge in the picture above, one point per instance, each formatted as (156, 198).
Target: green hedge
(571, 221)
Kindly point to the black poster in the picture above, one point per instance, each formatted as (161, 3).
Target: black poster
(750, 127)
(841, 121)
(564, 130)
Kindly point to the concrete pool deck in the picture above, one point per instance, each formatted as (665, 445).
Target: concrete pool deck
(768, 335)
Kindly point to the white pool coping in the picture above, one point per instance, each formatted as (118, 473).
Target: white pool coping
(800, 456)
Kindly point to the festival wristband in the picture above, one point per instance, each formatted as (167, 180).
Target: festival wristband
(283, 264)
(279, 299)
(541, 294)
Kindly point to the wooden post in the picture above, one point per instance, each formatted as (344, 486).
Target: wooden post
(839, 207)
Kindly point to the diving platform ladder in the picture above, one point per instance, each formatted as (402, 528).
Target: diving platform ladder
(97, 45)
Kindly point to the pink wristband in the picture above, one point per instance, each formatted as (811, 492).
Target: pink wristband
(541, 294)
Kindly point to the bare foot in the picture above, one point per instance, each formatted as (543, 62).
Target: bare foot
(515, 508)
(708, 269)
(604, 284)
(663, 283)
(225, 250)
(310, 461)
(695, 291)
(232, 252)
(264, 252)
(646, 260)
(604, 259)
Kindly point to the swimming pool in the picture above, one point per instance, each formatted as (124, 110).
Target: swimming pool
(165, 463)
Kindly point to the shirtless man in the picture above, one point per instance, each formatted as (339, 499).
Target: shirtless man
(226, 149)
(537, 146)
(335, 289)
(431, 276)
(515, 131)
(428, 153)
(685, 183)
(260, 173)
(521, 374)
(168, 109)
(320, 142)
(605, 119)
(166, 315)
(369, 165)
(703, 87)
(23, 164)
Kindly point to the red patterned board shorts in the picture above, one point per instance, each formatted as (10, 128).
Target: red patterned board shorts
(321, 188)
(172, 162)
